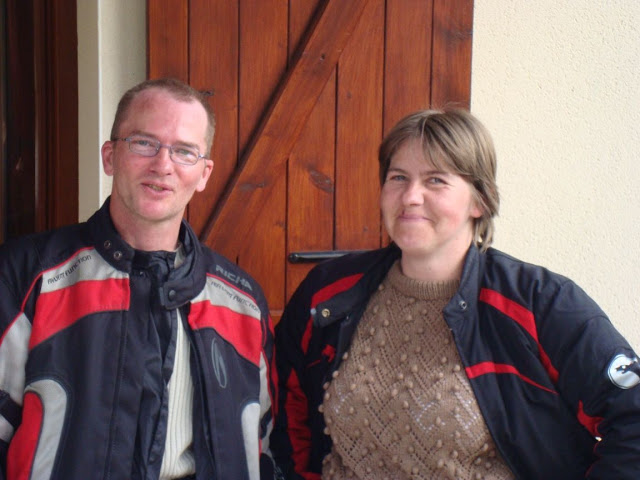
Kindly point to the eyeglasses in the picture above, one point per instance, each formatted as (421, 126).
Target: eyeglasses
(149, 147)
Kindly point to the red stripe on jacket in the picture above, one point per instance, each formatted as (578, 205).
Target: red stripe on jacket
(298, 430)
(60, 309)
(522, 317)
(589, 422)
(23, 445)
(323, 294)
(242, 331)
(485, 368)
(296, 402)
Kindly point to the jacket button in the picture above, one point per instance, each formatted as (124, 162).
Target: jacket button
(325, 312)
(463, 305)
(172, 295)
(107, 244)
(117, 255)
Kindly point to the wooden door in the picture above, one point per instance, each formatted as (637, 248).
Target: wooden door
(303, 92)
(39, 113)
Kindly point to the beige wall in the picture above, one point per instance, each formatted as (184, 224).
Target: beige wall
(111, 58)
(556, 81)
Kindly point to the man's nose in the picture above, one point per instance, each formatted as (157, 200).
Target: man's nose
(162, 160)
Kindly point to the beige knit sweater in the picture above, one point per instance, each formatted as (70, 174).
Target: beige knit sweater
(400, 407)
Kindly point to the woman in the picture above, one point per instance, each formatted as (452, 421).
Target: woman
(439, 357)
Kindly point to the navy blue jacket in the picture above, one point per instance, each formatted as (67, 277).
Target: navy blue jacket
(554, 380)
(88, 332)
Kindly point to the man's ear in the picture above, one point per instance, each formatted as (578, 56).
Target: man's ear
(206, 173)
(107, 152)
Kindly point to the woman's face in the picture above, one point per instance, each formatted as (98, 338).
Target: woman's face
(427, 212)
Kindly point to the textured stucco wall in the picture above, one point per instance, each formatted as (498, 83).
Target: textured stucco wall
(556, 82)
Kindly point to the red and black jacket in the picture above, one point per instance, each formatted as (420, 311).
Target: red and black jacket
(88, 330)
(555, 381)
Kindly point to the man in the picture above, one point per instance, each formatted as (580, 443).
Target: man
(128, 349)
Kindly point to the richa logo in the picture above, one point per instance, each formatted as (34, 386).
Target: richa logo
(219, 367)
(233, 278)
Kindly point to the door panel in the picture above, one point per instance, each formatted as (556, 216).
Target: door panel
(214, 68)
(311, 187)
(451, 64)
(359, 129)
(39, 116)
(303, 92)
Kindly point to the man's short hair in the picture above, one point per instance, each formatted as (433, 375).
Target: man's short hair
(178, 90)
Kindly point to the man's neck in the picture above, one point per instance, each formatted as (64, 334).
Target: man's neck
(151, 242)
(150, 237)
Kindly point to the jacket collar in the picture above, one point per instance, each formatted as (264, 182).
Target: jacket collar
(466, 298)
(380, 261)
(183, 282)
(378, 264)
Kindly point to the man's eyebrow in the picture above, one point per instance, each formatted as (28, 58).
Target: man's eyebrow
(141, 133)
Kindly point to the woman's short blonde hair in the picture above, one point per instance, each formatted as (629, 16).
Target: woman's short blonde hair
(453, 140)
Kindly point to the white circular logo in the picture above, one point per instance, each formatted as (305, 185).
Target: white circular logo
(624, 371)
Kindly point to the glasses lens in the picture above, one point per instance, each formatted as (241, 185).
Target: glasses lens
(185, 155)
(143, 146)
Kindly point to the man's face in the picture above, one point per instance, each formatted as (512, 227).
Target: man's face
(154, 191)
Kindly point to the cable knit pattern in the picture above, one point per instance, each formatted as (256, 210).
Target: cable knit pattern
(400, 407)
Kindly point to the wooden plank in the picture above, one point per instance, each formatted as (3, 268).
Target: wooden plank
(21, 108)
(213, 67)
(61, 90)
(311, 174)
(167, 39)
(263, 61)
(3, 119)
(359, 130)
(39, 134)
(452, 39)
(312, 187)
(250, 188)
(301, 15)
(262, 251)
(41, 124)
(407, 70)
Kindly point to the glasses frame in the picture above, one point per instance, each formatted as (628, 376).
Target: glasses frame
(158, 147)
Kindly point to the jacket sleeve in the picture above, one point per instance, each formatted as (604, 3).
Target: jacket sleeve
(15, 329)
(291, 438)
(267, 399)
(599, 376)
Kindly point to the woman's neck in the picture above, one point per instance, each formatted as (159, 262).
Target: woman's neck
(428, 269)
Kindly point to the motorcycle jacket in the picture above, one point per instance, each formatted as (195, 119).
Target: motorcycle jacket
(88, 336)
(556, 383)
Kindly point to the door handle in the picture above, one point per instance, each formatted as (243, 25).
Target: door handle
(318, 256)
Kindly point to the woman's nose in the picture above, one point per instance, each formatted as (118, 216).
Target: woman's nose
(413, 194)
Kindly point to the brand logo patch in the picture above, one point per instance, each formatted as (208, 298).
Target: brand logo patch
(624, 372)
(219, 367)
